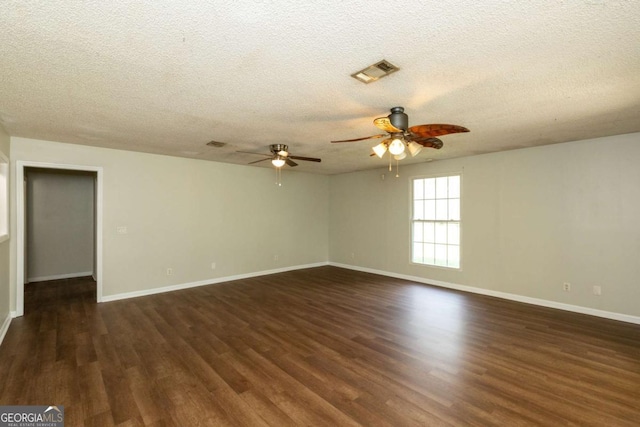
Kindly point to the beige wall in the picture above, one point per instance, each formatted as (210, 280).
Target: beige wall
(185, 214)
(5, 289)
(60, 224)
(532, 219)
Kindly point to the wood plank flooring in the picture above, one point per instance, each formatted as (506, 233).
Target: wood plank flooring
(317, 347)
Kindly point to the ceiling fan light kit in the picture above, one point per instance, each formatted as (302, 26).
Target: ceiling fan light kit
(279, 157)
(400, 136)
(414, 148)
(380, 149)
(278, 162)
(397, 146)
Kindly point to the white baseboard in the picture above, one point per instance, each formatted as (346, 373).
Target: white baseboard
(504, 295)
(135, 294)
(59, 276)
(5, 327)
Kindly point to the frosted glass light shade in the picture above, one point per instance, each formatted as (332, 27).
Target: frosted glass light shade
(400, 156)
(396, 147)
(414, 148)
(380, 149)
(277, 162)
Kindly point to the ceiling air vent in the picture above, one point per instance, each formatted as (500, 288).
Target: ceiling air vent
(375, 71)
(217, 144)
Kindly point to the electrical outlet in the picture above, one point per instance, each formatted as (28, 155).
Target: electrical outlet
(213, 265)
(353, 255)
(597, 290)
(566, 286)
(169, 271)
(121, 229)
(275, 257)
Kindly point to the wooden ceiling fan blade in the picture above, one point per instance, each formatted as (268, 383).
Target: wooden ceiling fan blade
(382, 135)
(290, 162)
(428, 131)
(385, 124)
(429, 142)
(258, 161)
(306, 159)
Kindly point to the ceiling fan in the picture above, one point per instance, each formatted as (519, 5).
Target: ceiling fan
(399, 135)
(280, 156)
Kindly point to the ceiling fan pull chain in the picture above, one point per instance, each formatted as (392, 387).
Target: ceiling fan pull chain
(390, 169)
(397, 169)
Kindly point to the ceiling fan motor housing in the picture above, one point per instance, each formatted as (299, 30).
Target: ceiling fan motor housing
(278, 148)
(398, 118)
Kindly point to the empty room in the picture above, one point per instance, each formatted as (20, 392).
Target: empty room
(342, 213)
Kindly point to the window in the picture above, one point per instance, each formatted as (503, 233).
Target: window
(4, 198)
(436, 221)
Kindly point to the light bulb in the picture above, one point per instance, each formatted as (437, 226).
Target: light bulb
(277, 162)
(380, 149)
(396, 147)
(414, 148)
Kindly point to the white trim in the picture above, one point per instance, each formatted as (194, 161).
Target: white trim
(503, 295)
(59, 276)
(5, 327)
(206, 282)
(19, 186)
(412, 220)
(5, 220)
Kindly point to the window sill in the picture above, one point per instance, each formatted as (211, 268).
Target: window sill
(440, 267)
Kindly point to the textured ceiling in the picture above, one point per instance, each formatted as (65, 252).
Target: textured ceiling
(167, 77)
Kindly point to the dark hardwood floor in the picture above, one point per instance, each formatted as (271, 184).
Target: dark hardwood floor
(318, 347)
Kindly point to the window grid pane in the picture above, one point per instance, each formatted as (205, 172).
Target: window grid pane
(454, 187)
(418, 209)
(441, 209)
(429, 188)
(429, 253)
(436, 221)
(418, 189)
(454, 210)
(417, 232)
(429, 209)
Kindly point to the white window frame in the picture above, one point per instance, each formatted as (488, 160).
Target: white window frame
(449, 221)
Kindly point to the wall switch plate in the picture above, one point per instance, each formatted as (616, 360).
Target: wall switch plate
(597, 290)
(213, 265)
(169, 271)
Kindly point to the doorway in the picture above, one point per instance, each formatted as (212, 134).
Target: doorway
(52, 266)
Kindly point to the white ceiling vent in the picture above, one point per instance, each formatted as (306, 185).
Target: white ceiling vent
(216, 144)
(375, 71)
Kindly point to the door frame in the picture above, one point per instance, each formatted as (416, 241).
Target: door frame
(21, 226)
